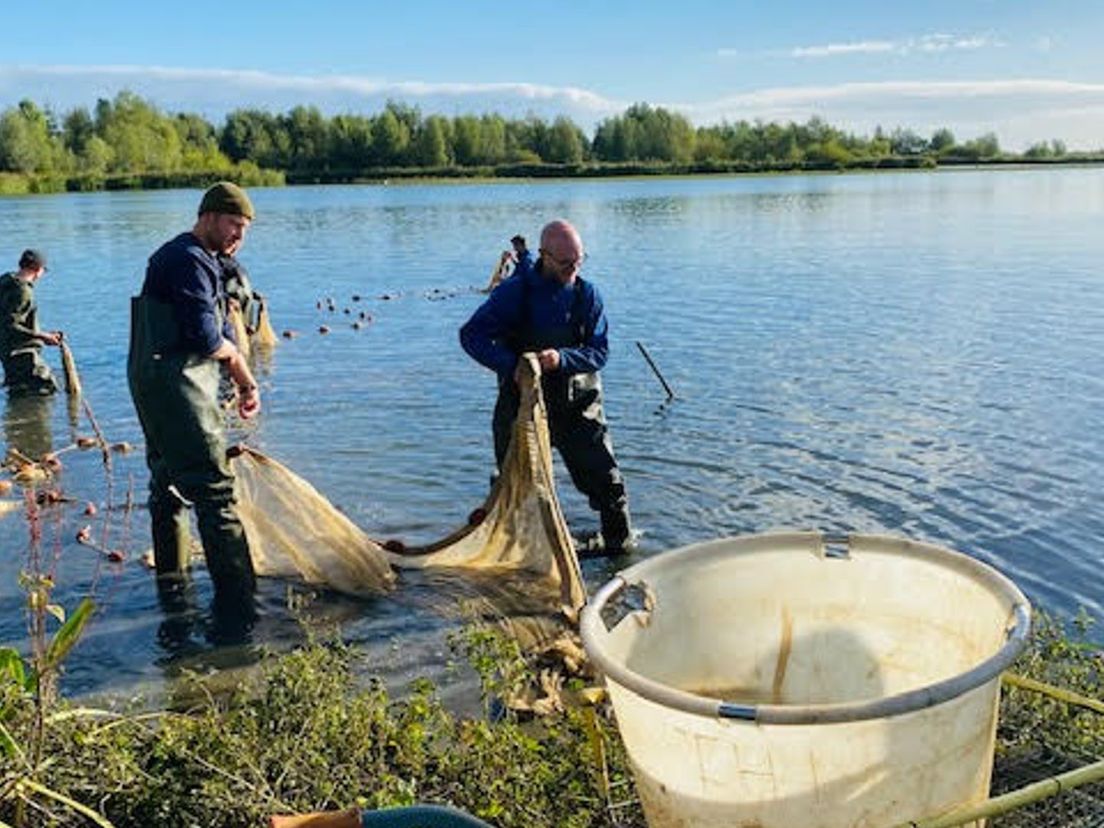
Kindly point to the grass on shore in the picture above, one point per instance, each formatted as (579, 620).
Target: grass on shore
(308, 734)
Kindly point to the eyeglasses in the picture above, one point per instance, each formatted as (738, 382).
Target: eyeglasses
(564, 264)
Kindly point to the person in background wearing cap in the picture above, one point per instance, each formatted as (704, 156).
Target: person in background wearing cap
(550, 310)
(20, 339)
(519, 257)
(178, 339)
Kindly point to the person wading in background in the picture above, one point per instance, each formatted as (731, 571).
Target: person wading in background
(178, 339)
(20, 339)
(519, 258)
(549, 309)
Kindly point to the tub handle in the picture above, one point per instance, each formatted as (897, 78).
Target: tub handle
(620, 599)
(836, 546)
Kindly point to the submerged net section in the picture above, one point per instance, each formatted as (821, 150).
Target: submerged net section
(514, 559)
(294, 531)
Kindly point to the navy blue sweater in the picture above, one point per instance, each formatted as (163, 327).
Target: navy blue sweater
(183, 274)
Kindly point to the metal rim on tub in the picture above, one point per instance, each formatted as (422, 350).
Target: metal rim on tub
(1016, 638)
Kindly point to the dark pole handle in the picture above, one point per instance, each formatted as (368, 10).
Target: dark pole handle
(648, 359)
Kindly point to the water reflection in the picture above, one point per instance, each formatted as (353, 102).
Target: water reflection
(27, 426)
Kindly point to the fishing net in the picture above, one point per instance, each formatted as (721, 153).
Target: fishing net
(294, 531)
(498, 273)
(69, 368)
(520, 528)
(263, 334)
(237, 322)
(515, 553)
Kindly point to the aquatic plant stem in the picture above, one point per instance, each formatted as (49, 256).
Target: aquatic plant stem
(1013, 680)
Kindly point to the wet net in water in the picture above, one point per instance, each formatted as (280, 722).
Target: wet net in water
(513, 559)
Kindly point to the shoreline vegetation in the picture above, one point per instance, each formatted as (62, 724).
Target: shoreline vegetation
(310, 732)
(313, 730)
(129, 143)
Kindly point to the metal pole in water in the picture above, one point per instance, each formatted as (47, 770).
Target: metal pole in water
(651, 363)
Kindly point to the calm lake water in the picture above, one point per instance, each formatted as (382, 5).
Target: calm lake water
(918, 354)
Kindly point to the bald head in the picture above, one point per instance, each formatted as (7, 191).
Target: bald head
(561, 250)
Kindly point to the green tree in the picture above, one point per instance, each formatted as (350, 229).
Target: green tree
(566, 142)
(431, 143)
(97, 156)
(254, 135)
(527, 140)
(790, 143)
(878, 147)
(709, 144)
(390, 139)
(467, 140)
(984, 146)
(646, 134)
(830, 152)
(350, 142)
(493, 130)
(907, 142)
(141, 138)
(942, 141)
(309, 135)
(77, 130)
(199, 144)
(1040, 149)
(618, 139)
(25, 142)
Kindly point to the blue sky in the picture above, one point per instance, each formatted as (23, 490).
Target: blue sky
(1026, 70)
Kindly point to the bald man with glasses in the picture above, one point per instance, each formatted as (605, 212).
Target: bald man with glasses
(553, 312)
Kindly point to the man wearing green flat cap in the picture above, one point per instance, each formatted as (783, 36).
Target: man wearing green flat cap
(20, 339)
(178, 339)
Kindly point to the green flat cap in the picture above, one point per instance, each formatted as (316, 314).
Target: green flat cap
(227, 197)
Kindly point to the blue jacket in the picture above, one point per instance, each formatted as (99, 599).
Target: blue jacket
(183, 274)
(528, 312)
(524, 263)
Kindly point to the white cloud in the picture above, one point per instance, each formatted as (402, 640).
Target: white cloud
(1019, 111)
(930, 43)
(221, 90)
(866, 47)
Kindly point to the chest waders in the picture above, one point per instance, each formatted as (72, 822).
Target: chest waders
(25, 372)
(576, 421)
(176, 396)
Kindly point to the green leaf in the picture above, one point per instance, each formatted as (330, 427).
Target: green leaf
(65, 638)
(8, 746)
(11, 665)
(84, 810)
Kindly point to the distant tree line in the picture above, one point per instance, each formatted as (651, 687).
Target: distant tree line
(128, 142)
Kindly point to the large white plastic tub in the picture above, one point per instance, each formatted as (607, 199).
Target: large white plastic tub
(800, 681)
